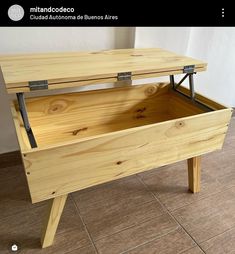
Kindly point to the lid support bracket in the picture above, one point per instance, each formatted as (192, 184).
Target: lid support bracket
(189, 70)
(23, 111)
(172, 81)
(189, 74)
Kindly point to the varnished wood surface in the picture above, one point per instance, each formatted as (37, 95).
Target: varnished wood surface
(20, 129)
(70, 117)
(74, 116)
(120, 131)
(90, 67)
(59, 170)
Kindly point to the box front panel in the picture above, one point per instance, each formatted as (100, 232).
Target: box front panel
(63, 169)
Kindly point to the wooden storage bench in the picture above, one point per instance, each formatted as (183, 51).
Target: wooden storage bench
(71, 141)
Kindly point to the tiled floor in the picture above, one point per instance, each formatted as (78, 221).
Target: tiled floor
(147, 213)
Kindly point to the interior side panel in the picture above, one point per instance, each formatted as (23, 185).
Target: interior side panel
(72, 116)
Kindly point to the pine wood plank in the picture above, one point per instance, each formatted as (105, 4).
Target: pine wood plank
(77, 115)
(205, 100)
(179, 107)
(20, 130)
(69, 117)
(82, 68)
(18, 88)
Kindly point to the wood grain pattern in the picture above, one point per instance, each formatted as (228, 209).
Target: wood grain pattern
(70, 117)
(63, 169)
(205, 100)
(61, 85)
(179, 107)
(194, 174)
(55, 209)
(121, 131)
(20, 130)
(77, 115)
(94, 67)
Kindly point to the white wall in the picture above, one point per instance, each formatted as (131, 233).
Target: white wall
(175, 39)
(48, 39)
(216, 46)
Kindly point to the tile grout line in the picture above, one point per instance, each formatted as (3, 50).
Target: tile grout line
(131, 226)
(85, 226)
(164, 209)
(205, 197)
(218, 234)
(169, 213)
(184, 251)
(202, 198)
(144, 203)
(153, 239)
(135, 224)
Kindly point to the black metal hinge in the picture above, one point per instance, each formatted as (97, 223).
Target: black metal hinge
(38, 85)
(124, 76)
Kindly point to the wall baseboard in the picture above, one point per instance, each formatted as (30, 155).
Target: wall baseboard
(10, 159)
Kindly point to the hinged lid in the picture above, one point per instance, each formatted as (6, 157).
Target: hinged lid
(24, 73)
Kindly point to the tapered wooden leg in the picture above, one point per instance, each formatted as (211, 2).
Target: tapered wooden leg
(55, 209)
(194, 173)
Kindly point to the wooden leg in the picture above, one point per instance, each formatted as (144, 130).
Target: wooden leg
(54, 212)
(194, 173)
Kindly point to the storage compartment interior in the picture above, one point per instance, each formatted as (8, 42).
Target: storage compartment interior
(66, 117)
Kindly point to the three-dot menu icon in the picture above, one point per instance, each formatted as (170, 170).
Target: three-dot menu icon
(222, 12)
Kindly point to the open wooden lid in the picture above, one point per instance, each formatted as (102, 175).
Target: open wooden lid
(24, 73)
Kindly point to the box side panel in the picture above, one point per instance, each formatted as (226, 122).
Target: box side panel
(205, 100)
(21, 136)
(60, 170)
(70, 117)
(20, 130)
